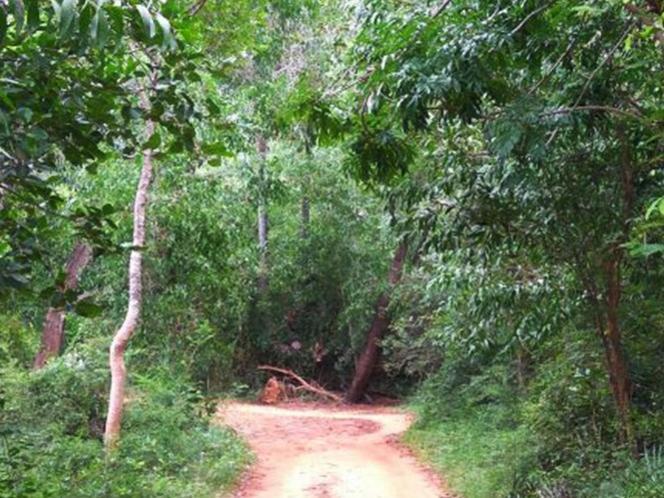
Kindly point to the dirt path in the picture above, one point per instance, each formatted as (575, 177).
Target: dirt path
(322, 452)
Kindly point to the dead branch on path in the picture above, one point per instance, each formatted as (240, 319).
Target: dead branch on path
(303, 383)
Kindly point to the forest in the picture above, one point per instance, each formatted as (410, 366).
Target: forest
(432, 228)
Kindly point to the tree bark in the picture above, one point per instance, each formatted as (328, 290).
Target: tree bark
(263, 265)
(53, 328)
(607, 310)
(367, 360)
(305, 207)
(617, 367)
(135, 294)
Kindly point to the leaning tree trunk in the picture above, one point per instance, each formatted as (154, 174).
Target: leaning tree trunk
(263, 268)
(122, 336)
(53, 328)
(366, 362)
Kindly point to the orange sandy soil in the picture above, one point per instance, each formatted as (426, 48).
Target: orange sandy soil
(323, 451)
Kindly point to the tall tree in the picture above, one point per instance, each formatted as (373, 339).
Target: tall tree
(262, 217)
(546, 144)
(135, 292)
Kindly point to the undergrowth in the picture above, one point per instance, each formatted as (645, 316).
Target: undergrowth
(51, 426)
(490, 438)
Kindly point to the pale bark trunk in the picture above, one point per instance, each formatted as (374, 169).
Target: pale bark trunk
(367, 360)
(135, 294)
(53, 328)
(263, 264)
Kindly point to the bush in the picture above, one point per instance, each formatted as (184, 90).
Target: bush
(51, 428)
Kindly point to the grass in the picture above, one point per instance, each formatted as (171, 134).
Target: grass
(478, 454)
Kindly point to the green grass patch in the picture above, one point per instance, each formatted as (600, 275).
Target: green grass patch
(477, 452)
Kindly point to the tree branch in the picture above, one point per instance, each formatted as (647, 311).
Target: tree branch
(304, 384)
(439, 10)
(196, 8)
(530, 16)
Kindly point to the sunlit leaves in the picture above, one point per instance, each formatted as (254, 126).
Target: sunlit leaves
(148, 22)
(320, 119)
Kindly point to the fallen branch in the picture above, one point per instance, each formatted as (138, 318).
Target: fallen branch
(303, 383)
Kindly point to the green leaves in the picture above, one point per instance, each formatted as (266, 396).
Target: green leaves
(3, 24)
(656, 209)
(32, 7)
(644, 250)
(379, 156)
(168, 38)
(18, 10)
(65, 12)
(87, 309)
(154, 142)
(99, 28)
(217, 149)
(148, 22)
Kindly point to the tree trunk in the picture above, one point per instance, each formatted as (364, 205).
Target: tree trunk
(305, 208)
(607, 309)
(617, 367)
(366, 362)
(135, 294)
(263, 267)
(522, 366)
(305, 217)
(53, 328)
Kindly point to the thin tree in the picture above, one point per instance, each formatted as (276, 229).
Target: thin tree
(135, 294)
(263, 265)
(53, 330)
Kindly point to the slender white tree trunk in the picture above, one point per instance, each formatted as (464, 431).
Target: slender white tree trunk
(122, 336)
(263, 267)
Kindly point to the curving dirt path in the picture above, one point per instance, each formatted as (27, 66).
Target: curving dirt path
(308, 451)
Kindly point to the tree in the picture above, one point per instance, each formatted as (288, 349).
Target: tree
(54, 322)
(544, 145)
(263, 221)
(366, 362)
(64, 103)
(135, 293)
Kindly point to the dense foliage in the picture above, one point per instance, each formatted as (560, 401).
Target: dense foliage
(511, 150)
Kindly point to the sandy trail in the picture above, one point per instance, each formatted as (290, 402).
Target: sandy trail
(328, 452)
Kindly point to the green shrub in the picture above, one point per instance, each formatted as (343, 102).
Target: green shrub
(17, 340)
(51, 428)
